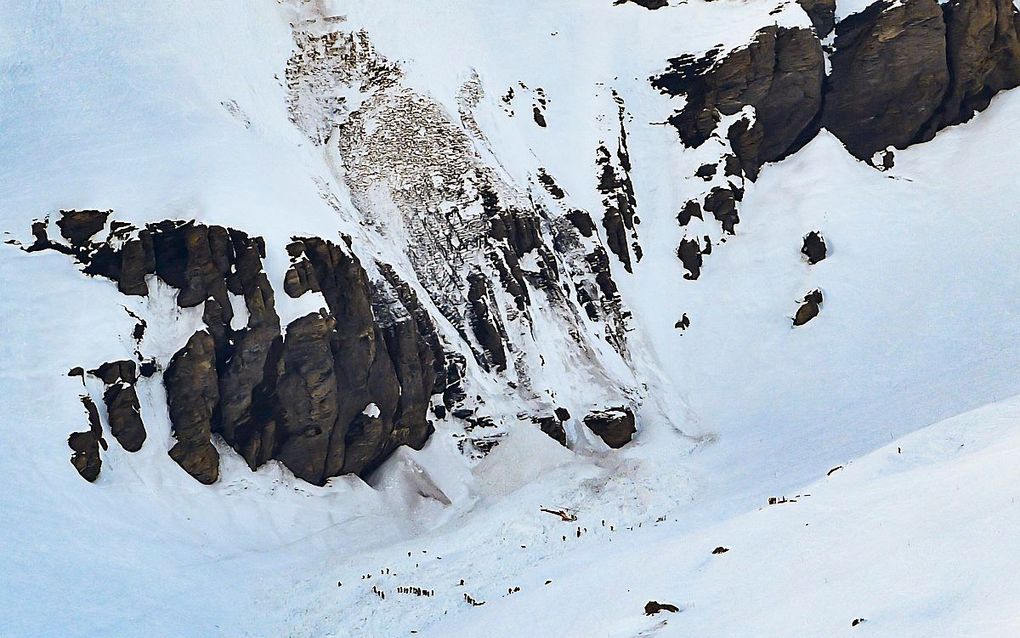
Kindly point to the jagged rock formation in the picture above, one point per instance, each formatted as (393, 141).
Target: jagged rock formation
(901, 70)
(615, 426)
(192, 397)
(506, 266)
(619, 200)
(888, 77)
(983, 54)
(779, 74)
(822, 14)
(122, 409)
(337, 395)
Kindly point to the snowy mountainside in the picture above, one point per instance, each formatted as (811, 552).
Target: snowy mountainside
(440, 301)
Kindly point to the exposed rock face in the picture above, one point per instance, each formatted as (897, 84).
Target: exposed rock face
(889, 75)
(308, 399)
(619, 200)
(552, 426)
(192, 397)
(122, 408)
(615, 426)
(85, 445)
(902, 70)
(983, 49)
(483, 324)
(822, 14)
(341, 392)
(356, 383)
(78, 226)
(780, 74)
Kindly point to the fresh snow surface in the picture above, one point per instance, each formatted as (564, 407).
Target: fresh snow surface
(178, 110)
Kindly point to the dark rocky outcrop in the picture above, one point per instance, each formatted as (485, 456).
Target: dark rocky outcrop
(983, 54)
(618, 198)
(553, 427)
(192, 397)
(483, 325)
(822, 14)
(653, 607)
(309, 403)
(690, 255)
(356, 382)
(706, 171)
(809, 309)
(615, 426)
(780, 74)
(814, 248)
(647, 4)
(122, 407)
(582, 222)
(722, 203)
(901, 71)
(336, 393)
(85, 445)
(690, 210)
(78, 226)
(889, 75)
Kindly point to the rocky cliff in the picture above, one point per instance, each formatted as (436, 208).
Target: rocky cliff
(898, 72)
(332, 392)
(455, 326)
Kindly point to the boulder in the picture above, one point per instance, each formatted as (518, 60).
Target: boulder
(809, 309)
(814, 248)
(653, 607)
(615, 426)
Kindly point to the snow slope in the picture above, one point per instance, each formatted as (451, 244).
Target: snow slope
(915, 538)
(127, 105)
